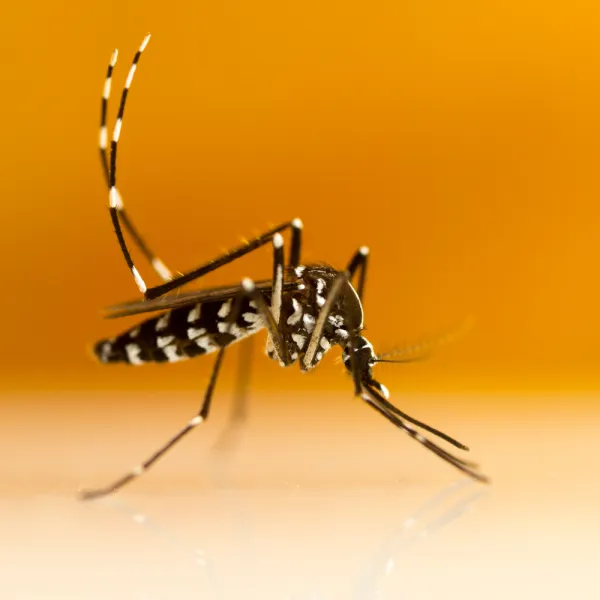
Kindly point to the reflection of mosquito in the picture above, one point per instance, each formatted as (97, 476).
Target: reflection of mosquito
(305, 310)
(422, 523)
(444, 507)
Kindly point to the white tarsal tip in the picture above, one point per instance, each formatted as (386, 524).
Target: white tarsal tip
(130, 75)
(161, 269)
(278, 240)
(113, 58)
(139, 281)
(115, 198)
(248, 284)
(195, 421)
(297, 223)
(144, 43)
(117, 130)
(364, 250)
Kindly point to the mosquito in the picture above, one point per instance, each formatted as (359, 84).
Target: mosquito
(305, 309)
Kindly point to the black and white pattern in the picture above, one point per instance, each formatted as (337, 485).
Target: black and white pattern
(180, 334)
(306, 310)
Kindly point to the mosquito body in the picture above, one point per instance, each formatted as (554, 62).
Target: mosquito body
(203, 326)
(305, 309)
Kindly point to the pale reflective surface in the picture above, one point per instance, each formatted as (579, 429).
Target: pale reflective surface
(306, 505)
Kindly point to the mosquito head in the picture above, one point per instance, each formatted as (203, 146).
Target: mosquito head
(365, 358)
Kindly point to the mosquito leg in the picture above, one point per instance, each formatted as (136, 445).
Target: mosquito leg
(295, 250)
(117, 209)
(458, 463)
(238, 413)
(118, 214)
(359, 261)
(192, 424)
(295, 225)
(390, 408)
(269, 321)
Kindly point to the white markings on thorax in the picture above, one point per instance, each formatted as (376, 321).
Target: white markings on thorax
(297, 314)
(342, 333)
(309, 322)
(299, 339)
(336, 320)
(320, 288)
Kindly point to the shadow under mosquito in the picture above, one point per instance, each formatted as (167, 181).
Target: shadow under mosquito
(438, 511)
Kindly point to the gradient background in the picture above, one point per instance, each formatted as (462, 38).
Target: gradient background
(458, 140)
(459, 143)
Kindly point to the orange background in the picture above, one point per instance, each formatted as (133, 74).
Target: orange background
(460, 143)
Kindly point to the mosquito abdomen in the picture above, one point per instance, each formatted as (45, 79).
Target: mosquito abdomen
(179, 334)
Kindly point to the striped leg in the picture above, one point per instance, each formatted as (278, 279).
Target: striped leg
(117, 208)
(296, 228)
(144, 466)
(118, 214)
(462, 465)
(359, 261)
(238, 413)
(249, 290)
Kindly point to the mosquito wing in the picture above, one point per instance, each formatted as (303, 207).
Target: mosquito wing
(137, 307)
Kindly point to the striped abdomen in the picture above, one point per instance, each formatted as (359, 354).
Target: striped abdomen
(180, 333)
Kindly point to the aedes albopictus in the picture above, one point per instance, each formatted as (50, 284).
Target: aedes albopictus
(306, 309)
